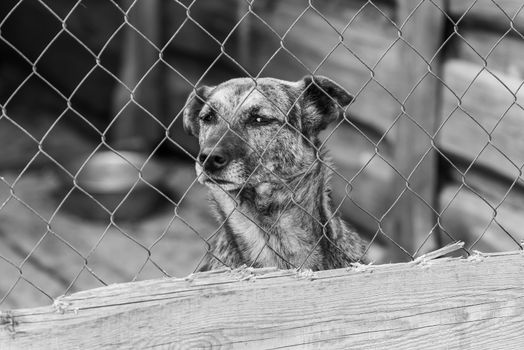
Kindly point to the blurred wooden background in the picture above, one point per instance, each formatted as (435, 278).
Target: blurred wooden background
(438, 107)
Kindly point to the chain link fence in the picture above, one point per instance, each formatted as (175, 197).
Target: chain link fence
(97, 179)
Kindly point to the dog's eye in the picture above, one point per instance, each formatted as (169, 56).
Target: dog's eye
(208, 117)
(259, 120)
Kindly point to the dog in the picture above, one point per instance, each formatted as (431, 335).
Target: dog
(267, 179)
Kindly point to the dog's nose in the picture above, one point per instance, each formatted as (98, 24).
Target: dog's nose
(213, 160)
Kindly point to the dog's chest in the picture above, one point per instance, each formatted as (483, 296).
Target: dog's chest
(252, 240)
(255, 245)
(282, 243)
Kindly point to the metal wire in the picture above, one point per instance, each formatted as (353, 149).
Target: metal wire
(249, 12)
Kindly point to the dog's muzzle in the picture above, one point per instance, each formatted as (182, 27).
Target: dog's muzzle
(213, 159)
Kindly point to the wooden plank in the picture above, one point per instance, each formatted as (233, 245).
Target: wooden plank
(487, 100)
(413, 216)
(490, 106)
(502, 54)
(492, 12)
(443, 303)
(471, 218)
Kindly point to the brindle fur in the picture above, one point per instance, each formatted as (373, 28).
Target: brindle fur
(269, 183)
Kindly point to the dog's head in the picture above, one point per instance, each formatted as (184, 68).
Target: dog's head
(251, 133)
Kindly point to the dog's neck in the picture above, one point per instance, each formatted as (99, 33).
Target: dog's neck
(281, 221)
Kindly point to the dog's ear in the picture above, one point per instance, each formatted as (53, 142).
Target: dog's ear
(323, 100)
(196, 100)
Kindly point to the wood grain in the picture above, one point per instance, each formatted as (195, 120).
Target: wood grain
(443, 303)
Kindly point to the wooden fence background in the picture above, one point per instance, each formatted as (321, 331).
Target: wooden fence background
(467, 54)
(456, 70)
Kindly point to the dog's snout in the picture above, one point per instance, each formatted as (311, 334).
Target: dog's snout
(213, 159)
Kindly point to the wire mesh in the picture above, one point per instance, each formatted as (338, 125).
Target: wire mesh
(113, 78)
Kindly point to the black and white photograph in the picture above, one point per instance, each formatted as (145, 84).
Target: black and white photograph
(261, 174)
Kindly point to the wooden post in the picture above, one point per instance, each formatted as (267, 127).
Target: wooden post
(412, 219)
(244, 34)
(134, 128)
